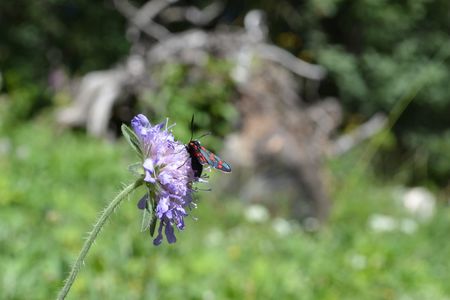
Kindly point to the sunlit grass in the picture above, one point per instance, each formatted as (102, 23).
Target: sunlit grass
(53, 185)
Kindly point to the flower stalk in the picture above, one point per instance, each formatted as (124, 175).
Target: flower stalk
(93, 235)
(166, 171)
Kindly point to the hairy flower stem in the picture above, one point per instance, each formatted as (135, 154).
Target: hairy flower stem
(93, 235)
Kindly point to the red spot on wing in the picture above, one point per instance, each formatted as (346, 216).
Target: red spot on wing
(204, 156)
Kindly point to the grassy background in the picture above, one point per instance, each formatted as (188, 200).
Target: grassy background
(53, 185)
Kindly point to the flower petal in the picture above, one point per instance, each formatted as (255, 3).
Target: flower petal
(162, 207)
(142, 204)
(148, 165)
(170, 235)
(158, 239)
(149, 169)
(140, 125)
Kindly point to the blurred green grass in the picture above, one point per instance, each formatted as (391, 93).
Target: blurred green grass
(53, 184)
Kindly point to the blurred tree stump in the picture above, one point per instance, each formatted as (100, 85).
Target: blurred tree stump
(279, 144)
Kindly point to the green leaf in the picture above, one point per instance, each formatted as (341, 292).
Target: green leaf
(132, 139)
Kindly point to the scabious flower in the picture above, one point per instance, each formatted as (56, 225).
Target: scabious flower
(168, 176)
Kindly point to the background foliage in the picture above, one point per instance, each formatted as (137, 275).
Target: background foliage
(40, 36)
(52, 192)
(184, 92)
(379, 54)
(376, 53)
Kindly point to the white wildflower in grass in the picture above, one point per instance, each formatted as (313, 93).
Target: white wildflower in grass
(420, 202)
(382, 223)
(282, 226)
(256, 213)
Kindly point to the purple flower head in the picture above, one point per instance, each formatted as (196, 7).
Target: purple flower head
(168, 174)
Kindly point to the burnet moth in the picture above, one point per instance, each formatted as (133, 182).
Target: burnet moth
(201, 156)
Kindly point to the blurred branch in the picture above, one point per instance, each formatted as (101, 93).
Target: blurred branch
(100, 91)
(170, 48)
(348, 141)
(194, 15)
(150, 10)
(125, 8)
(291, 62)
(93, 103)
(143, 17)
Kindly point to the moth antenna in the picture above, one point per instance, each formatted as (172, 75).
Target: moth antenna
(202, 190)
(203, 135)
(192, 127)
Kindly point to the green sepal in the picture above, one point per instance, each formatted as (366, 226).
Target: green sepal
(153, 225)
(132, 139)
(137, 169)
(146, 219)
(152, 202)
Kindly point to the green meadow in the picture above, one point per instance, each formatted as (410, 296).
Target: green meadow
(54, 183)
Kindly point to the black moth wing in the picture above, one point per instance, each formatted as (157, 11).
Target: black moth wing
(196, 166)
(214, 160)
(196, 158)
